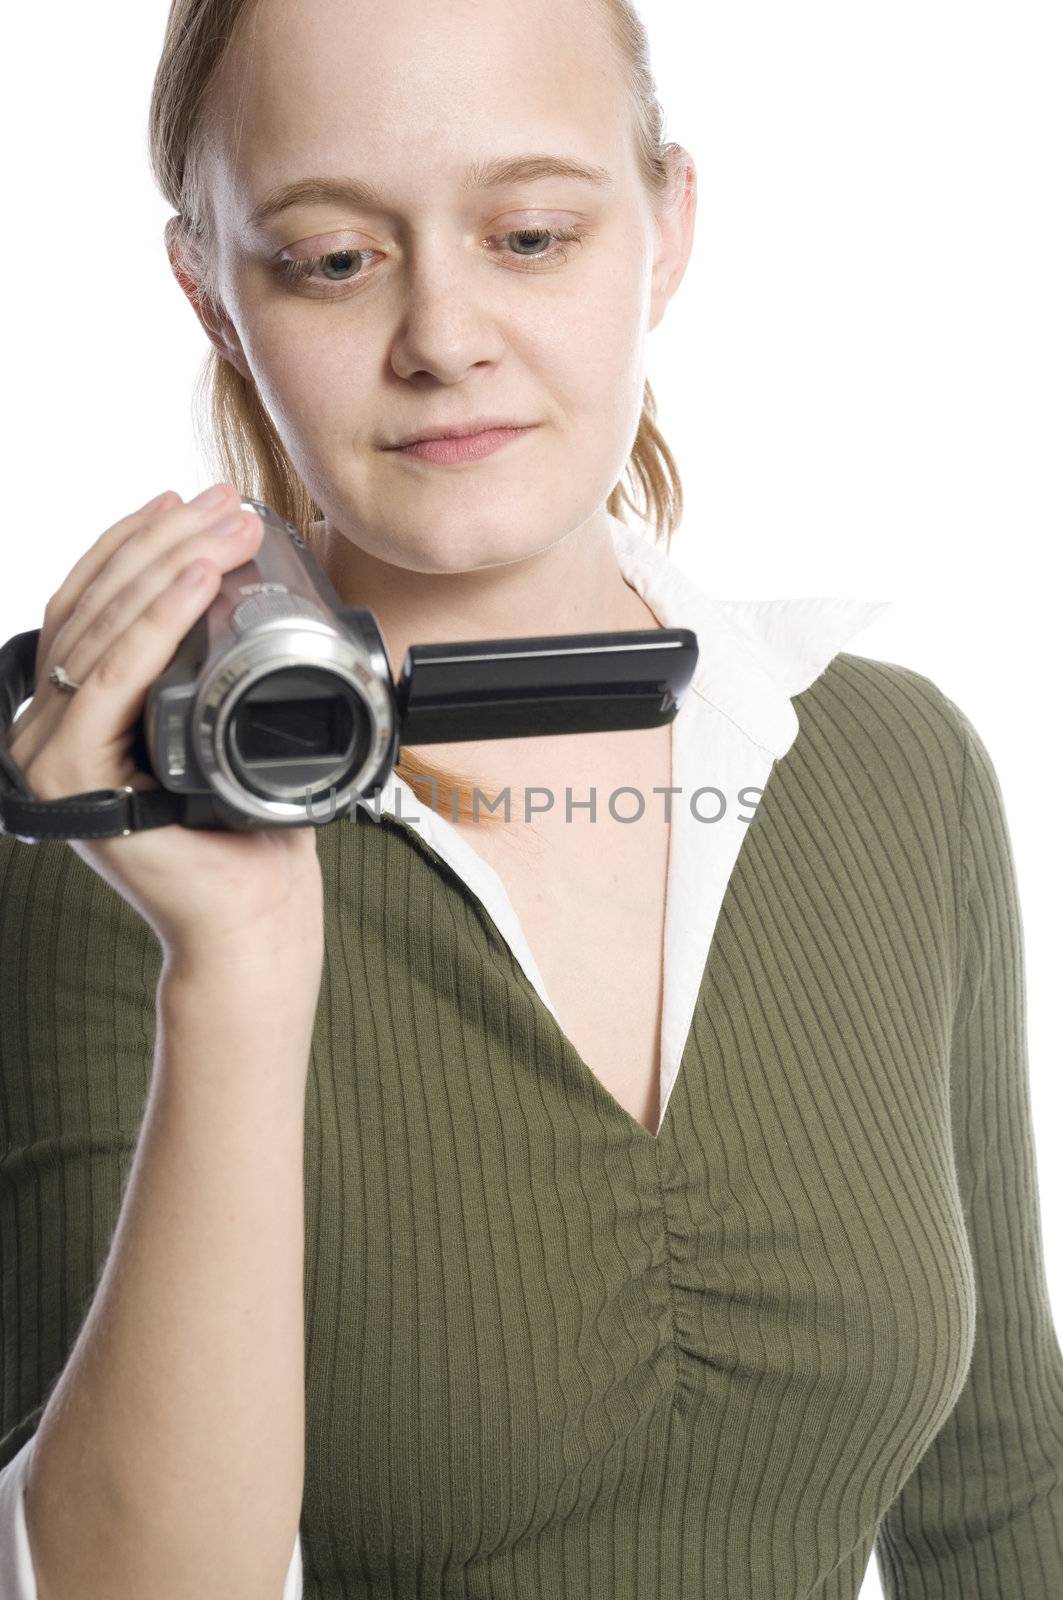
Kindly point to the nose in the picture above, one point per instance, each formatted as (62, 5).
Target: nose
(448, 319)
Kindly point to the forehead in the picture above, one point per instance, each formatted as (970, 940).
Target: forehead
(409, 92)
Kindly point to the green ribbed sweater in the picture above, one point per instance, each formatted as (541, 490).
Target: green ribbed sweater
(549, 1356)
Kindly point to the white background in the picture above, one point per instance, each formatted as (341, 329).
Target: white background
(859, 377)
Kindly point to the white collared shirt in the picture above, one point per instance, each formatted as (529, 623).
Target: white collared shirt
(735, 721)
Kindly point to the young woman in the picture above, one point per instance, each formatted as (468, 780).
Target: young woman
(573, 1206)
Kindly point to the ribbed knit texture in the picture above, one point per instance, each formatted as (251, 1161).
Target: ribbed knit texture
(550, 1356)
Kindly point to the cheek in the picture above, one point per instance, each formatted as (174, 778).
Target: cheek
(592, 346)
(600, 321)
(308, 370)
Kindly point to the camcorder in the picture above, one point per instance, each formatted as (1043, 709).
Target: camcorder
(279, 707)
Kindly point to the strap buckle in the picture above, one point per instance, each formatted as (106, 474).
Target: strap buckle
(128, 790)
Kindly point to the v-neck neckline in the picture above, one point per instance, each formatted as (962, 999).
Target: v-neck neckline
(637, 1131)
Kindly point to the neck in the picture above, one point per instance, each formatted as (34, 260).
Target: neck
(576, 586)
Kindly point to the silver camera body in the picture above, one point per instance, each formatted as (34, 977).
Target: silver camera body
(278, 697)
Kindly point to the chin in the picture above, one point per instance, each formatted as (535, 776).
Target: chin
(457, 543)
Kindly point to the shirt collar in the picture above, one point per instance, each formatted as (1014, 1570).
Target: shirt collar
(753, 655)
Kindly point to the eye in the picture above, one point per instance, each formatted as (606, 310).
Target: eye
(339, 261)
(562, 237)
(340, 267)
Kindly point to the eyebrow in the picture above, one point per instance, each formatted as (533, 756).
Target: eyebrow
(504, 170)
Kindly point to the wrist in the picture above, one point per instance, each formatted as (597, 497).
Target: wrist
(230, 1018)
(270, 968)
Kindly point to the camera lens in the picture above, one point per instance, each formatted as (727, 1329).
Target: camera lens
(296, 730)
(293, 730)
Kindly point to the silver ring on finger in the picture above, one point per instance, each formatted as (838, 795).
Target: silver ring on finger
(62, 680)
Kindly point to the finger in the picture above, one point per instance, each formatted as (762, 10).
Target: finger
(120, 552)
(226, 543)
(223, 551)
(95, 558)
(100, 716)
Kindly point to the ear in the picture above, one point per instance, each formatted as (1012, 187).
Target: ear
(675, 234)
(211, 314)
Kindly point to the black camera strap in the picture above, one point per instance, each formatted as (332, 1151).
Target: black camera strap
(97, 814)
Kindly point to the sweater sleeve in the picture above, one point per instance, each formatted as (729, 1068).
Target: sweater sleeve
(981, 1516)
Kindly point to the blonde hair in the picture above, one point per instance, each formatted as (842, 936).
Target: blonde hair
(231, 420)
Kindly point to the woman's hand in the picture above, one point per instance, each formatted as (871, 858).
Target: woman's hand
(114, 624)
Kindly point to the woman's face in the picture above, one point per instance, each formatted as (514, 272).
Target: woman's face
(443, 301)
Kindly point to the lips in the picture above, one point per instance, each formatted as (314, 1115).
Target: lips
(453, 450)
(461, 430)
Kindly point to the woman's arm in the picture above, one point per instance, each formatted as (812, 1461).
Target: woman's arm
(981, 1517)
(169, 1459)
(18, 1580)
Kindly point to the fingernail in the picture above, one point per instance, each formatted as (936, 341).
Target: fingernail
(231, 524)
(211, 497)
